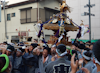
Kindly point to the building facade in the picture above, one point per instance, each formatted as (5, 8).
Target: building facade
(77, 9)
(23, 15)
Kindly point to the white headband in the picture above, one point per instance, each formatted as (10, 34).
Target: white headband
(19, 50)
(53, 45)
(45, 45)
(62, 53)
(23, 47)
(9, 50)
(86, 57)
(96, 61)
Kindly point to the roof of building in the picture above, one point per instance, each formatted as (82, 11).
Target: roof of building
(25, 2)
(21, 3)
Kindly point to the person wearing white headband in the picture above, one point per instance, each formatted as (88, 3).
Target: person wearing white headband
(87, 60)
(96, 60)
(53, 50)
(17, 62)
(87, 63)
(96, 52)
(61, 64)
(9, 51)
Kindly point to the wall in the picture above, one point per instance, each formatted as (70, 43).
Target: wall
(78, 9)
(49, 3)
(15, 23)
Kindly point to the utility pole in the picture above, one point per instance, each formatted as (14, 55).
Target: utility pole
(4, 4)
(5, 20)
(0, 10)
(86, 13)
(89, 21)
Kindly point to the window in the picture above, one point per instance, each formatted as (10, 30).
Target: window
(25, 16)
(8, 17)
(49, 12)
(13, 15)
(14, 39)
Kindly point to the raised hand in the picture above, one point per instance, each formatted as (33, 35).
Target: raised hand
(74, 65)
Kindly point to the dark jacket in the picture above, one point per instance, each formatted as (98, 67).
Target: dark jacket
(30, 62)
(41, 65)
(61, 65)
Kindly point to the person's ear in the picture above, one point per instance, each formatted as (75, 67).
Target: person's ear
(93, 60)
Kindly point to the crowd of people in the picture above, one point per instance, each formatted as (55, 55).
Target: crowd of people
(80, 57)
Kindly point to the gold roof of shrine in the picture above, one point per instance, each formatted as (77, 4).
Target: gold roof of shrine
(55, 27)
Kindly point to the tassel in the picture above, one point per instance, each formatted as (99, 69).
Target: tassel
(57, 34)
(59, 39)
(39, 34)
(44, 41)
(79, 33)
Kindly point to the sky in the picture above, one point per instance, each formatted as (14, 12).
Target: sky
(14, 1)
